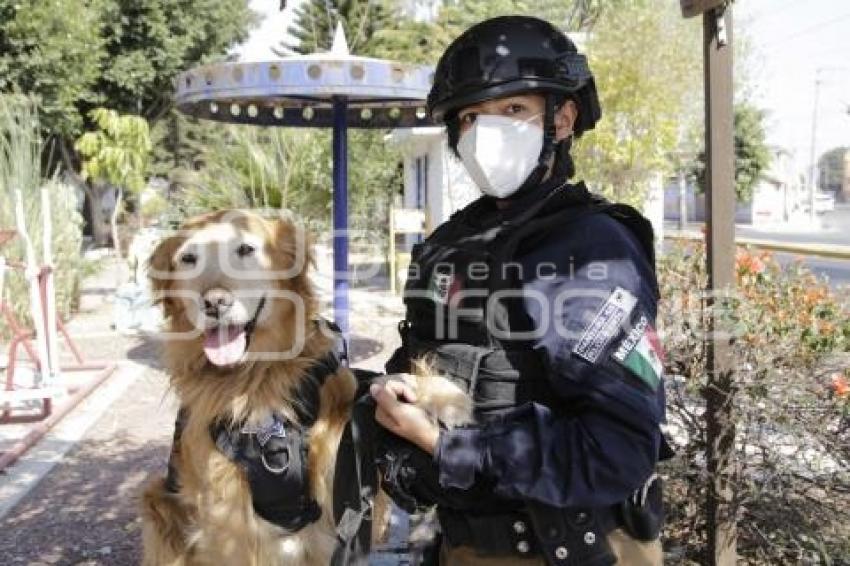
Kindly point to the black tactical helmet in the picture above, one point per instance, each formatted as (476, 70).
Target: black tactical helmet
(508, 55)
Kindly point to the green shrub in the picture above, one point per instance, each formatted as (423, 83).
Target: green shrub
(791, 407)
(247, 166)
(20, 162)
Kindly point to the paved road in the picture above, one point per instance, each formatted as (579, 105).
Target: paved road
(835, 229)
(837, 271)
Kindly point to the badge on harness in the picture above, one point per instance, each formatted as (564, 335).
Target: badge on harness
(606, 325)
(269, 427)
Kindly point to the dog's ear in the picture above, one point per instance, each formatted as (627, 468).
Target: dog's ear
(160, 269)
(293, 252)
(293, 243)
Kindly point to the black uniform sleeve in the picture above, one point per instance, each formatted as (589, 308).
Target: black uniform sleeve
(592, 297)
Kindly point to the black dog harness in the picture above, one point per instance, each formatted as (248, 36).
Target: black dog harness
(273, 455)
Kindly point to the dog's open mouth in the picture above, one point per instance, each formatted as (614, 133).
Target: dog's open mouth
(226, 344)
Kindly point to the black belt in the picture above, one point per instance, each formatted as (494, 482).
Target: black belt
(502, 534)
(515, 534)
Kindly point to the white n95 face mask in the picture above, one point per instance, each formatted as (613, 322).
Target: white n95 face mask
(500, 152)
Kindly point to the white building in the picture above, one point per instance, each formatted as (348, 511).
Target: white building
(778, 197)
(434, 179)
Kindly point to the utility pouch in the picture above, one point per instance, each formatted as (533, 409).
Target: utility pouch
(642, 514)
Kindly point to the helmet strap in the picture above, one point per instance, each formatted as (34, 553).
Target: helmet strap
(536, 176)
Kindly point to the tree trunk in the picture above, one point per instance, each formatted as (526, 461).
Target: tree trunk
(113, 222)
(100, 233)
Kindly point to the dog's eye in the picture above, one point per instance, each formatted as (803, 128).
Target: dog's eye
(244, 250)
(189, 258)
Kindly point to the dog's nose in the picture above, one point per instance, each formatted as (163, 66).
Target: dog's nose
(217, 302)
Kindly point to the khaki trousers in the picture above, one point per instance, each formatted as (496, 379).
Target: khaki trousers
(629, 552)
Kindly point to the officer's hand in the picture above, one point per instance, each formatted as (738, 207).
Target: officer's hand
(395, 413)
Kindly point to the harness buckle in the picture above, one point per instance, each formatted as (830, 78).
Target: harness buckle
(264, 432)
(271, 426)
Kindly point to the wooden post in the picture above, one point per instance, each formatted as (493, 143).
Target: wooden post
(720, 200)
(392, 252)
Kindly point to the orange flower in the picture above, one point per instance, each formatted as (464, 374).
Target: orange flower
(840, 386)
(826, 327)
(747, 262)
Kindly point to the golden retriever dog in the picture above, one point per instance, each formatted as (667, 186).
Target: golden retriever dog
(240, 338)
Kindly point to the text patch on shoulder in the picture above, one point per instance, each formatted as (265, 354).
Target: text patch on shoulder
(606, 325)
(640, 352)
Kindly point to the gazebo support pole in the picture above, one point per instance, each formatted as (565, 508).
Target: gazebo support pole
(340, 209)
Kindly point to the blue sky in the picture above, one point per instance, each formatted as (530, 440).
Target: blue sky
(790, 40)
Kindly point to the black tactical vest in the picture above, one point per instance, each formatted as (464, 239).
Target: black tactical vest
(464, 312)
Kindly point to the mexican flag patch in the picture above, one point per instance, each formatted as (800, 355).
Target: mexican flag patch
(640, 352)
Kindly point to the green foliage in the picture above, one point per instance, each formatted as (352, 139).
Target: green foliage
(79, 54)
(252, 167)
(752, 155)
(646, 60)
(832, 168)
(149, 41)
(179, 142)
(403, 39)
(20, 159)
(315, 23)
(46, 52)
(118, 152)
(789, 340)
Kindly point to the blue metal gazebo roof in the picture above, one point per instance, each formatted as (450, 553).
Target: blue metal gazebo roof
(299, 91)
(320, 90)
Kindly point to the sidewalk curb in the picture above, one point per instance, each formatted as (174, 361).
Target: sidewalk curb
(829, 251)
(51, 446)
(39, 429)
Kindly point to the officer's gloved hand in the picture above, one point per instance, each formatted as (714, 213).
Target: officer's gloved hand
(408, 474)
(411, 477)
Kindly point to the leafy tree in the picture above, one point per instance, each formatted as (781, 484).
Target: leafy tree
(148, 42)
(58, 58)
(120, 54)
(315, 23)
(752, 155)
(832, 167)
(645, 59)
(76, 55)
(179, 143)
(117, 153)
(424, 42)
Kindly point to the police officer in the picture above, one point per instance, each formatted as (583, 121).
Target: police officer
(539, 299)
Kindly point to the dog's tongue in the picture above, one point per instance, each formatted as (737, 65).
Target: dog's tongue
(225, 345)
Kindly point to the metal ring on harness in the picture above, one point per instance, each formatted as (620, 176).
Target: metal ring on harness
(272, 469)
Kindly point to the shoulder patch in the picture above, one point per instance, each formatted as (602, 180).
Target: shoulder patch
(640, 353)
(606, 324)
